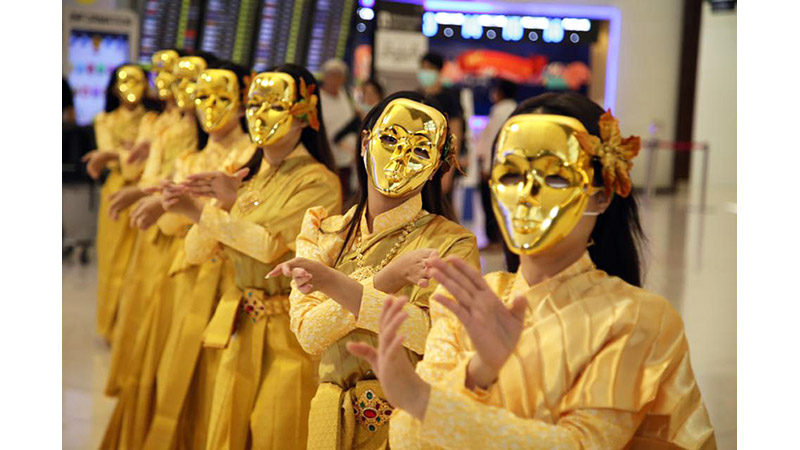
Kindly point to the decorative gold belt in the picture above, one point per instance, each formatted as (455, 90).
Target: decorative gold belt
(255, 306)
(247, 301)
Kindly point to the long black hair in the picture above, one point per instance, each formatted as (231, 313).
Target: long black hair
(433, 200)
(617, 234)
(315, 141)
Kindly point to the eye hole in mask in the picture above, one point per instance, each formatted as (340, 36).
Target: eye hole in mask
(556, 181)
(278, 107)
(511, 179)
(388, 140)
(422, 153)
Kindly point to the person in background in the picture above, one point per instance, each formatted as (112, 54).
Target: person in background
(501, 93)
(337, 112)
(430, 80)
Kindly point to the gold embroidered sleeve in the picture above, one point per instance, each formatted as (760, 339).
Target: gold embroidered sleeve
(199, 245)
(414, 330)
(316, 320)
(453, 420)
(269, 231)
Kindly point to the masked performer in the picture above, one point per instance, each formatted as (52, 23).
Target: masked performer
(567, 353)
(265, 380)
(146, 296)
(181, 415)
(115, 133)
(346, 265)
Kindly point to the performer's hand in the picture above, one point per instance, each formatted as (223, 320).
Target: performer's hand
(493, 327)
(147, 212)
(175, 198)
(219, 185)
(139, 153)
(309, 275)
(122, 199)
(96, 161)
(409, 268)
(402, 386)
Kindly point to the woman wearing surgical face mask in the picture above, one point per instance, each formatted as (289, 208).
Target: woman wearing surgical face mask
(568, 352)
(347, 264)
(148, 291)
(115, 133)
(265, 381)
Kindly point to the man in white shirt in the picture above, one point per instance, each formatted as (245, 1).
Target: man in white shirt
(502, 95)
(337, 113)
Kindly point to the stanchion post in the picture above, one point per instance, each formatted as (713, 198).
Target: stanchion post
(704, 187)
(652, 147)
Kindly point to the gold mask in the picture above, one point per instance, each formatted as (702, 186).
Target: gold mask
(216, 98)
(163, 65)
(404, 147)
(130, 84)
(269, 100)
(541, 181)
(186, 71)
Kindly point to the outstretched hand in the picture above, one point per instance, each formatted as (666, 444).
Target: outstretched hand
(218, 184)
(146, 213)
(400, 383)
(96, 161)
(493, 327)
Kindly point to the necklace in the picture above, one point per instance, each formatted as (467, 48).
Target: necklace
(250, 199)
(362, 270)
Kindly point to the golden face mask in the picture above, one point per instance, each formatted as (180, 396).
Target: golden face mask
(216, 98)
(269, 101)
(130, 84)
(541, 181)
(163, 65)
(404, 147)
(186, 71)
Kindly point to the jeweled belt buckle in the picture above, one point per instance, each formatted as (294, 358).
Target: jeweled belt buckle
(253, 306)
(371, 410)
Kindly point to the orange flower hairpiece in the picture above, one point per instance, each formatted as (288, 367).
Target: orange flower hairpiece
(614, 151)
(305, 109)
(248, 80)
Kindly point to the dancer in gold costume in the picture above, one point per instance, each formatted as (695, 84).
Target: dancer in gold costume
(115, 133)
(265, 380)
(568, 352)
(347, 264)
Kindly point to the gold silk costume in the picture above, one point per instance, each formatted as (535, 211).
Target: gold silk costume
(600, 364)
(323, 327)
(114, 131)
(265, 381)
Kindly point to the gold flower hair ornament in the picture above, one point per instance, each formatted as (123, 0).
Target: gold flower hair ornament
(614, 152)
(305, 108)
(449, 154)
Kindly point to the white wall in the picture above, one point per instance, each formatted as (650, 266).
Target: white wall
(715, 106)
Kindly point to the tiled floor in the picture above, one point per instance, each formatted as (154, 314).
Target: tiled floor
(691, 260)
